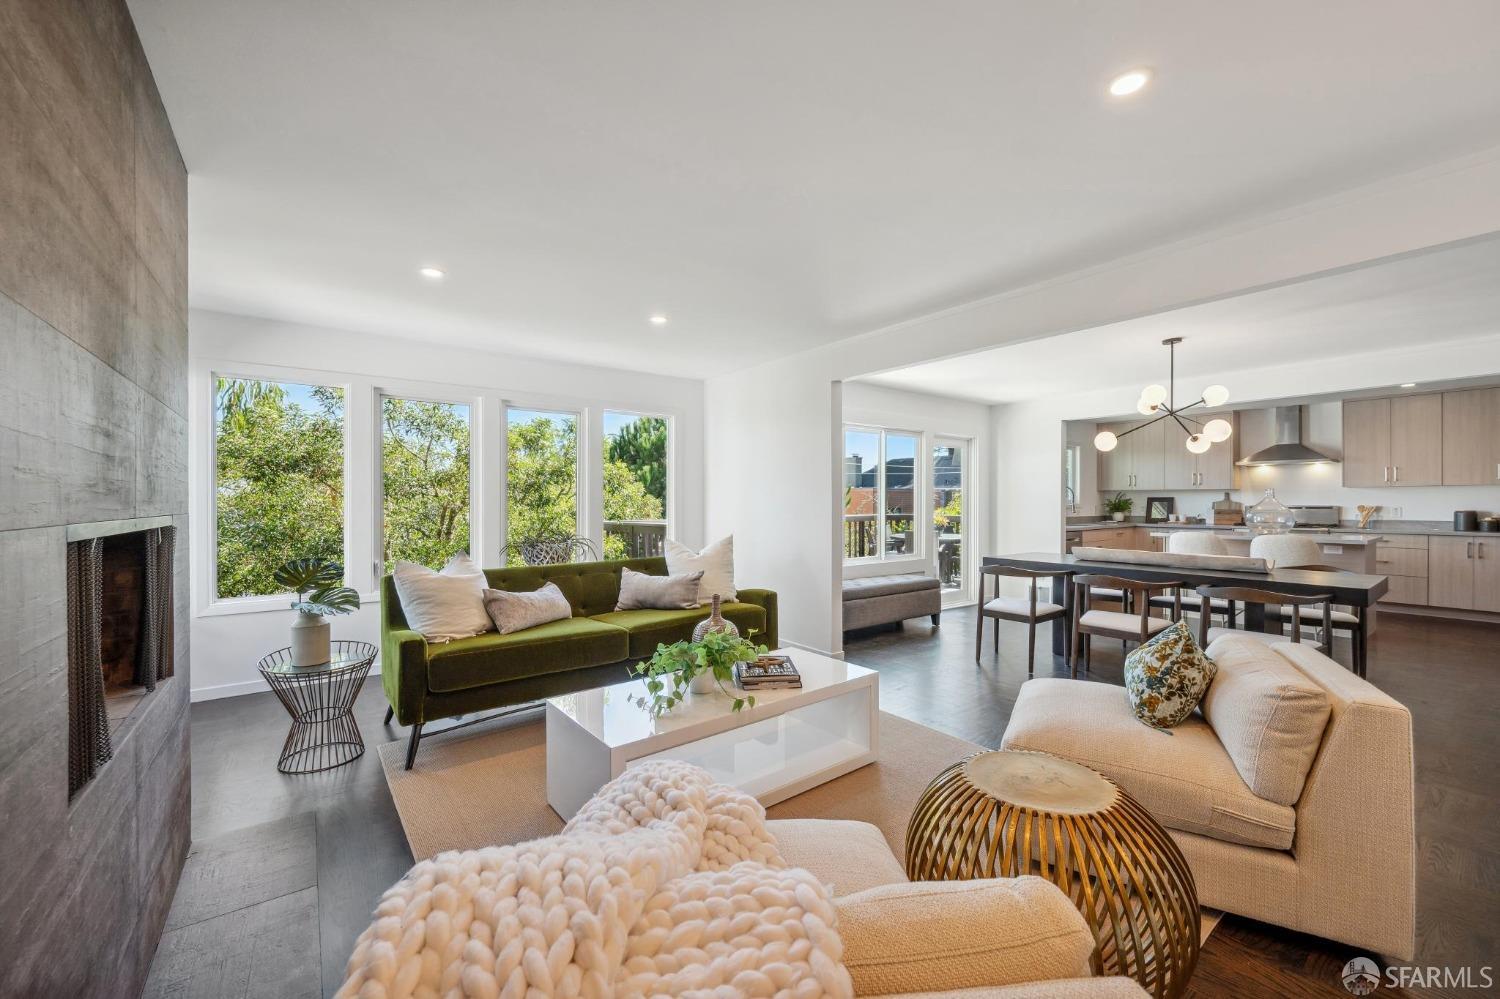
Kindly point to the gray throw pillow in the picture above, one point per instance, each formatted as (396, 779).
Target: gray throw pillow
(643, 591)
(513, 612)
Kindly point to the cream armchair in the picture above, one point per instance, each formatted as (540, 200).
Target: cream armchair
(1290, 792)
(1001, 939)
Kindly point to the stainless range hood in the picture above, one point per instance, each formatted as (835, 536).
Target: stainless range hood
(1288, 449)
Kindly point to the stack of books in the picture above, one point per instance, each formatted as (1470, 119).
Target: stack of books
(767, 673)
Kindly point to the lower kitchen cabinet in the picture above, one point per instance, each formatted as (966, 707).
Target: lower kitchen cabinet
(1464, 573)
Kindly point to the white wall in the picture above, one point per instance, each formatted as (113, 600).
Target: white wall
(228, 638)
(785, 414)
(931, 416)
(1322, 484)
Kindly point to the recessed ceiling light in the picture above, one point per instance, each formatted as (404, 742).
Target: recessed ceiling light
(1128, 83)
(658, 320)
(431, 272)
(1408, 384)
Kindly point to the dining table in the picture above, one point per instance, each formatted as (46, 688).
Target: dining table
(1356, 590)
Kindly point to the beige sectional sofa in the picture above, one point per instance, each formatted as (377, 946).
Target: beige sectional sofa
(1008, 938)
(1290, 791)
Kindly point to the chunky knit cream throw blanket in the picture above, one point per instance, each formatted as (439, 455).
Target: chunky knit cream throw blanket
(666, 883)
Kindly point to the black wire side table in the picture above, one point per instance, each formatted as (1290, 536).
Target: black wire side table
(320, 700)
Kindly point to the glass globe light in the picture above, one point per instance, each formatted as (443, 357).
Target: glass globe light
(1198, 443)
(1215, 395)
(1145, 408)
(1217, 431)
(1105, 441)
(1154, 394)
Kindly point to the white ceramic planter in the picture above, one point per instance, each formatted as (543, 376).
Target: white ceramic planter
(1117, 517)
(310, 640)
(703, 683)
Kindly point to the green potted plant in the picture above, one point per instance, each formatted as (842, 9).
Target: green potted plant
(683, 667)
(318, 584)
(1118, 506)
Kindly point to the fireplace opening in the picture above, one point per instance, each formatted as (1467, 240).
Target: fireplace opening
(119, 632)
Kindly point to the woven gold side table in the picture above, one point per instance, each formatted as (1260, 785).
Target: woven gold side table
(1004, 814)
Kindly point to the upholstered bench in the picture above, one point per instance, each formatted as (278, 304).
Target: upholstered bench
(872, 600)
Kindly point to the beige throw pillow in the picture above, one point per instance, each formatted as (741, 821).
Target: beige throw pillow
(940, 936)
(643, 591)
(716, 563)
(443, 605)
(514, 612)
(1267, 714)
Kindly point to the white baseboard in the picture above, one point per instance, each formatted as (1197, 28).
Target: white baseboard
(242, 687)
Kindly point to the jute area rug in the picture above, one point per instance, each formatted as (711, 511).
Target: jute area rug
(487, 785)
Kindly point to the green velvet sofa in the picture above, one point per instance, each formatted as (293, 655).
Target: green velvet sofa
(425, 682)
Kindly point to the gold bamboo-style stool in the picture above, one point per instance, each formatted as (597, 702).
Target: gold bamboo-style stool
(1005, 814)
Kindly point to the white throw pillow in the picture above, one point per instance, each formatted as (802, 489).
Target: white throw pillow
(514, 612)
(443, 605)
(643, 591)
(716, 562)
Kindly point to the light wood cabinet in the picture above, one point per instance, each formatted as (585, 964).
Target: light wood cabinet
(1464, 573)
(1367, 442)
(1214, 469)
(1116, 467)
(1471, 437)
(1450, 573)
(1417, 440)
(1137, 462)
(1394, 442)
(1148, 461)
(1487, 575)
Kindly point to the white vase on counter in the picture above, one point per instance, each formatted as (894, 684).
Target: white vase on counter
(1117, 517)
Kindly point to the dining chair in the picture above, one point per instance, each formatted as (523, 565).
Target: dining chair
(1198, 543)
(1028, 610)
(1088, 622)
(1247, 595)
(1338, 619)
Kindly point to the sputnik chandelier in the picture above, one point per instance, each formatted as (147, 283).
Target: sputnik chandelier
(1162, 403)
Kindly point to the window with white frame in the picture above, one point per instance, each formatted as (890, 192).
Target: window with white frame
(881, 473)
(278, 480)
(541, 479)
(635, 456)
(424, 475)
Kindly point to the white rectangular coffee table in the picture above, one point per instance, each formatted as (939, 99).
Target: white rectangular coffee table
(790, 741)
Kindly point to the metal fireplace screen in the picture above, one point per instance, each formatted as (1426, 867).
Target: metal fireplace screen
(88, 720)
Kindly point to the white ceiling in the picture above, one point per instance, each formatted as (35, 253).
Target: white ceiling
(1442, 296)
(772, 175)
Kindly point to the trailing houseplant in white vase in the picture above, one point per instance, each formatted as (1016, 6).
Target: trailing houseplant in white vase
(318, 584)
(699, 666)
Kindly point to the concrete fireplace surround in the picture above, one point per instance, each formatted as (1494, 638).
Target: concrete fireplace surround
(93, 337)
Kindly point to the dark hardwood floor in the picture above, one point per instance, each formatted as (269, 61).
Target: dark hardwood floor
(285, 871)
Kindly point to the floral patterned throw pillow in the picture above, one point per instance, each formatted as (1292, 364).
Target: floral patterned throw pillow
(1167, 676)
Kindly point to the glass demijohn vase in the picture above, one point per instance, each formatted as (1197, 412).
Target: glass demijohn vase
(1269, 516)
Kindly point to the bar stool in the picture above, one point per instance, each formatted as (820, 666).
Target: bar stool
(1117, 624)
(1246, 595)
(1026, 610)
(1198, 543)
(1336, 620)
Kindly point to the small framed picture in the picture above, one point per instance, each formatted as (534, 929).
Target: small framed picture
(1159, 509)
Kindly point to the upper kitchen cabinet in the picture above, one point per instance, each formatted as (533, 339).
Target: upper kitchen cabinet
(1394, 442)
(1137, 461)
(1471, 437)
(1213, 469)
